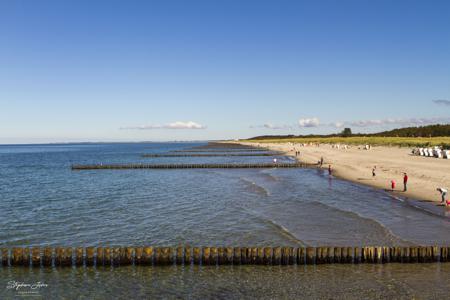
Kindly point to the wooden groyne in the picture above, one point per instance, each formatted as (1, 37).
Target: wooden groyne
(156, 256)
(208, 154)
(187, 166)
(222, 150)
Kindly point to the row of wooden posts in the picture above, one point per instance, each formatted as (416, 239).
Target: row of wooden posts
(223, 150)
(116, 256)
(209, 154)
(188, 166)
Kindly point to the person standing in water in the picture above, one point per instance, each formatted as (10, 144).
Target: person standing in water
(329, 170)
(443, 192)
(405, 182)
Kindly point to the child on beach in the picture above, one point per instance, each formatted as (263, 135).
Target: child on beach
(405, 182)
(443, 192)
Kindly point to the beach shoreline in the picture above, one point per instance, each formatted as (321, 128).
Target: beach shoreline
(355, 164)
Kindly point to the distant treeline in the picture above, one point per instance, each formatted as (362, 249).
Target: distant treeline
(421, 131)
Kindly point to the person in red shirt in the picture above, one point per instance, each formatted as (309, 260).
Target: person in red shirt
(405, 182)
(392, 185)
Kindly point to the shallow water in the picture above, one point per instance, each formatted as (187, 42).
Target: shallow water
(44, 202)
(392, 281)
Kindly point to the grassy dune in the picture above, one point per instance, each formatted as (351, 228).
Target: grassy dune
(360, 140)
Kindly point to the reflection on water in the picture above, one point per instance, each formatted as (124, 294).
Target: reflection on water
(392, 281)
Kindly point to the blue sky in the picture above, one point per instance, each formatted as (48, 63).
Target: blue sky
(185, 70)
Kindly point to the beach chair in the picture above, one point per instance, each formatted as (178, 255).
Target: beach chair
(446, 154)
(421, 153)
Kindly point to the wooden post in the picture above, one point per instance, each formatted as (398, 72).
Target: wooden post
(36, 257)
(214, 256)
(301, 256)
(413, 251)
(100, 259)
(243, 255)
(260, 256)
(338, 254)
(276, 256)
(350, 255)
(90, 256)
(221, 255)
(379, 255)
(330, 257)
(287, 256)
(5, 256)
(386, 255)
(229, 251)
(16, 256)
(356, 255)
(139, 254)
(197, 255)
(421, 253)
(267, 255)
(127, 257)
(187, 256)
(236, 255)
(444, 255)
(116, 254)
(147, 258)
(79, 260)
(321, 255)
(26, 257)
(63, 256)
(368, 255)
(206, 257)
(435, 253)
(107, 256)
(253, 256)
(168, 255)
(179, 255)
(47, 258)
(310, 255)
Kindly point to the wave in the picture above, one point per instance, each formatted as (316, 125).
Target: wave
(254, 187)
(388, 232)
(280, 228)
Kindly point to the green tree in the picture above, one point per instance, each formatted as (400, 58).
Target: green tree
(346, 132)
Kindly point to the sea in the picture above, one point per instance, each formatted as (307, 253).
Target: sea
(43, 202)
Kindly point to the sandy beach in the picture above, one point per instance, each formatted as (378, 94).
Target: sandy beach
(355, 164)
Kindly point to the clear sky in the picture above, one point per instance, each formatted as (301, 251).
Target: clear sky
(182, 70)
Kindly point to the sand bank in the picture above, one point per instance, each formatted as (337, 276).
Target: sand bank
(355, 164)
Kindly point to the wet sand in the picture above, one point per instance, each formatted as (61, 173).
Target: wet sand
(355, 164)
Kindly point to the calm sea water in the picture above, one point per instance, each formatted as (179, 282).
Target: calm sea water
(43, 202)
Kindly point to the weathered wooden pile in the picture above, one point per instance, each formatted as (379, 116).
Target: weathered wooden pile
(116, 256)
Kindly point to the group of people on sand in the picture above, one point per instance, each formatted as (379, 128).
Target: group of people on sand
(443, 191)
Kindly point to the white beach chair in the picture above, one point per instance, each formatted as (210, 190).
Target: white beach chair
(446, 154)
(421, 153)
(430, 152)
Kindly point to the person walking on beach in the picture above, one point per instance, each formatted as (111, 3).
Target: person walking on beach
(373, 171)
(392, 185)
(321, 161)
(443, 192)
(405, 182)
